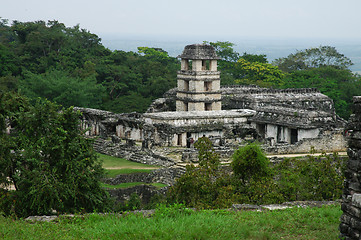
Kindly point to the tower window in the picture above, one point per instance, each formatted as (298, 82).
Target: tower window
(186, 85)
(208, 106)
(205, 65)
(207, 86)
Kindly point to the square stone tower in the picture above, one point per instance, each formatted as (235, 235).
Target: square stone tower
(198, 80)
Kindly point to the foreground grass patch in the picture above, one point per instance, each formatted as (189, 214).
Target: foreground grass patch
(114, 172)
(114, 162)
(297, 223)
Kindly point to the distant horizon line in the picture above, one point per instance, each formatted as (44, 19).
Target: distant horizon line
(273, 49)
(167, 37)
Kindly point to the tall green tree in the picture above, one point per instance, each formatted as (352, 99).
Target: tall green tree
(261, 74)
(323, 68)
(47, 159)
(70, 65)
(225, 50)
(59, 86)
(313, 58)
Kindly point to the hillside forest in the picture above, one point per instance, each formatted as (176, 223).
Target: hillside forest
(70, 66)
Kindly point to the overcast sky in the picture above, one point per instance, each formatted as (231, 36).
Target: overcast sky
(198, 18)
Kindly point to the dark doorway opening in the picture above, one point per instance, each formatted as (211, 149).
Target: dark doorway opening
(294, 136)
(188, 140)
(261, 128)
(278, 134)
(179, 141)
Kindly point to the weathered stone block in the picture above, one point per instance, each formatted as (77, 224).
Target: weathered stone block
(355, 186)
(356, 108)
(353, 165)
(351, 210)
(344, 228)
(350, 226)
(354, 126)
(348, 173)
(354, 234)
(354, 143)
(356, 135)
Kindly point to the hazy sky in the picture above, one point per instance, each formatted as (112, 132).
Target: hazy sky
(198, 18)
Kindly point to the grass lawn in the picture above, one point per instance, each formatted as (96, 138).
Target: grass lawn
(114, 172)
(114, 162)
(115, 166)
(297, 223)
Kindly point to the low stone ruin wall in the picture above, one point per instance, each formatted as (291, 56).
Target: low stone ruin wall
(145, 192)
(350, 226)
(334, 142)
(163, 175)
(331, 142)
(130, 151)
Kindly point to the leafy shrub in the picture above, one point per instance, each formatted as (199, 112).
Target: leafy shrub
(253, 176)
(249, 162)
(313, 178)
(205, 186)
(255, 181)
(206, 154)
(202, 187)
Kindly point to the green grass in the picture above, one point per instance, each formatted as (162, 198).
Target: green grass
(114, 162)
(114, 172)
(132, 184)
(159, 185)
(297, 223)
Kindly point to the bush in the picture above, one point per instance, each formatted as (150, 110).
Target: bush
(207, 157)
(255, 181)
(253, 176)
(205, 186)
(313, 178)
(249, 162)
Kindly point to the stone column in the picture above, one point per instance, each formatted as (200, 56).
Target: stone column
(350, 226)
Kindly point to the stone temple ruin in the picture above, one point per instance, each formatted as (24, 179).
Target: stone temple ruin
(350, 226)
(283, 120)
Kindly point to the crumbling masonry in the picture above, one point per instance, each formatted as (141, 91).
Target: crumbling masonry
(350, 226)
(284, 120)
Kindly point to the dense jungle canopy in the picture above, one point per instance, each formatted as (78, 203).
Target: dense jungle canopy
(70, 66)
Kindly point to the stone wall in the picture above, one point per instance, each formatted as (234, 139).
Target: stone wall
(328, 141)
(163, 175)
(350, 226)
(254, 97)
(105, 124)
(130, 151)
(332, 142)
(145, 193)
